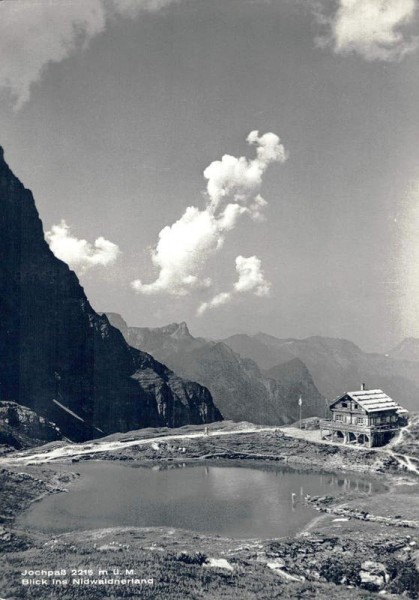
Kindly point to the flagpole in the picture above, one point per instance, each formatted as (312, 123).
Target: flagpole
(300, 404)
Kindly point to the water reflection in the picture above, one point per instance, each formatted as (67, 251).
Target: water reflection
(228, 500)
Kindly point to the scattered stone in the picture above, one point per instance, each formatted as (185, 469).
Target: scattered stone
(5, 536)
(109, 548)
(219, 563)
(276, 564)
(374, 575)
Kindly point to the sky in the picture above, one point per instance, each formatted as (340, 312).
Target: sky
(241, 165)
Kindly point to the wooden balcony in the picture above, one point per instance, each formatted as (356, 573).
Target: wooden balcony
(368, 429)
(348, 409)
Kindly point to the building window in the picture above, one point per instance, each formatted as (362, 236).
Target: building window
(344, 405)
(338, 417)
(360, 420)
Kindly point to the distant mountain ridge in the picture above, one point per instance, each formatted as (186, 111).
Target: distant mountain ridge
(241, 390)
(336, 365)
(59, 357)
(408, 350)
(160, 342)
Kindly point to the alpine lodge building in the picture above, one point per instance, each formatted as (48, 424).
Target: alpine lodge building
(366, 417)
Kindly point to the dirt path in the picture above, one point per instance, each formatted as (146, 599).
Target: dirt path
(76, 450)
(406, 461)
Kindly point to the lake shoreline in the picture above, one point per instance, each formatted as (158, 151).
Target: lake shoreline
(290, 494)
(327, 552)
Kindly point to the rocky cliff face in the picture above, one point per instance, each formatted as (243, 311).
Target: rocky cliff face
(239, 388)
(21, 427)
(63, 360)
(295, 381)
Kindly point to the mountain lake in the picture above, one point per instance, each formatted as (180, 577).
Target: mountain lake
(231, 501)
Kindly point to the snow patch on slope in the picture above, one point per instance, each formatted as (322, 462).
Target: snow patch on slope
(70, 412)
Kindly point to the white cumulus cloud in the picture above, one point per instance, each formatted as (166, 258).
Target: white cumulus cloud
(374, 29)
(181, 252)
(240, 178)
(36, 33)
(251, 276)
(233, 190)
(80, 255)
(251, 280)
(218, 300)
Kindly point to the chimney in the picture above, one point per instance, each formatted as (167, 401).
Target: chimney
(362, 387)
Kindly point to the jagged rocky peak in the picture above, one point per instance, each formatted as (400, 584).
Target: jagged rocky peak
(177, 330)
(174, 330)
(63, 360)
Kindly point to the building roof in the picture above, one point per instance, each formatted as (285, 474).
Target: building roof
(372, 400)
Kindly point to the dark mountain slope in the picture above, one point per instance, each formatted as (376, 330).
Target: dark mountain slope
(53, 345)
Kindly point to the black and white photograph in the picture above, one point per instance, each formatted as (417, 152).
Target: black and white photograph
(209, 299)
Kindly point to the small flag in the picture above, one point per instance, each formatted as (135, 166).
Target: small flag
(300, 401)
